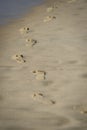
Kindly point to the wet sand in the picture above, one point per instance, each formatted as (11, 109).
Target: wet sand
(43, 69)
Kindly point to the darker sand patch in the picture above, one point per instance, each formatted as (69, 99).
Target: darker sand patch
(72, 62)
(1, 98)
(76, 14)
(84, 76)
(47, 83)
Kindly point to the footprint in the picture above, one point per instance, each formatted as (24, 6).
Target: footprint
(40, 74)
(50, 9)
(41, 98)
(19, 58)
(81, 108)
(30, 42)
(49, 18)
(83, 111)
(71, 1)
(24, 30)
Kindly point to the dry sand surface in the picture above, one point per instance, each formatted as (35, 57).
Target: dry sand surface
(43, 68)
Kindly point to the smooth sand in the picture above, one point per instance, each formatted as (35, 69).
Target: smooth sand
(43, 69)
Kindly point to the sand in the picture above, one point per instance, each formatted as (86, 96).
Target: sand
(43, 68)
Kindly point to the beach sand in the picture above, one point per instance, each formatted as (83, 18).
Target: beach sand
(43, 68)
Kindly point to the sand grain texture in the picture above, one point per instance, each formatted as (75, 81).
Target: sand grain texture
(58, 100)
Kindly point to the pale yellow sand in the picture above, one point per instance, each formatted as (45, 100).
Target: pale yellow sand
(54, 98)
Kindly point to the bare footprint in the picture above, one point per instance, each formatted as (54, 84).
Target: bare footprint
(41, 98)
(71, 1)
(24, 30)
(39, 74)
(30, 42)
(81, 108)
(19, 58)
(49, 18)
(50, 9)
